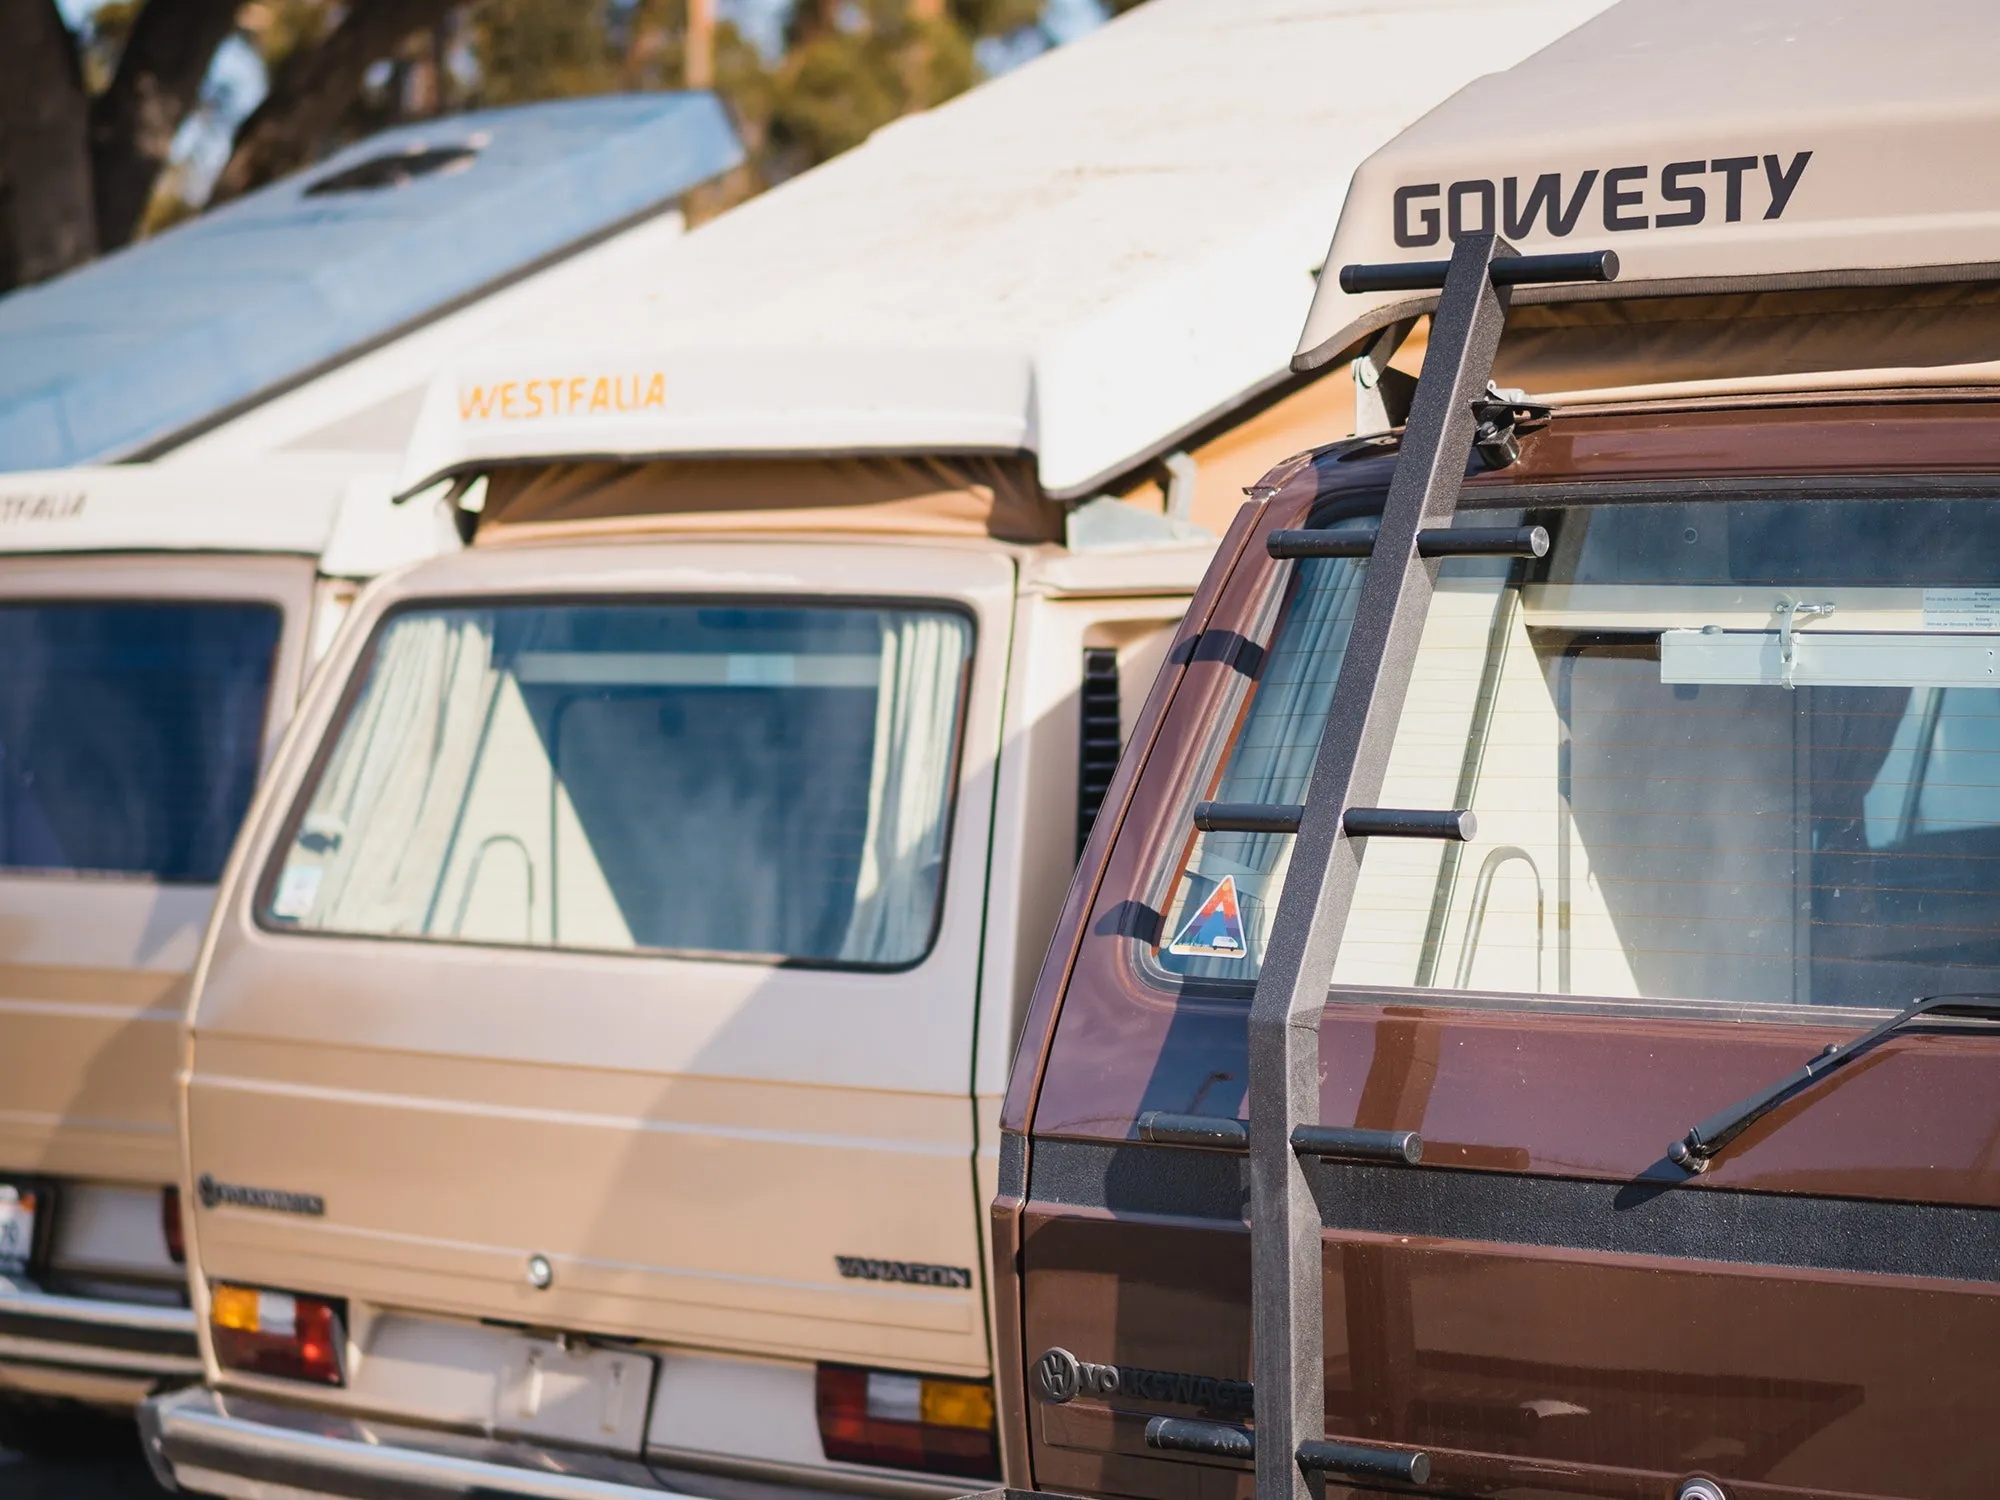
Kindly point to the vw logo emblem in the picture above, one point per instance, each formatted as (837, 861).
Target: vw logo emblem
(1058, 1375)
(205, 1188)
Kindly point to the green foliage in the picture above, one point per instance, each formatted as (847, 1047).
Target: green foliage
(278, 28)
(101, 38)
(543, 49)
(835, 89)
(848, 67)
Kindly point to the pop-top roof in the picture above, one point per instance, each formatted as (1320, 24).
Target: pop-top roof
(119, 355)
(1083, 259)
(1714, 144)
(348, 521)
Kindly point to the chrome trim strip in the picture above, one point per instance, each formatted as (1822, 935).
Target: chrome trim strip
(62, 1355)
(97, 1334)
(98, 1312)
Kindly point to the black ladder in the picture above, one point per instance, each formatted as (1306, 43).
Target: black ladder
(1453, 407)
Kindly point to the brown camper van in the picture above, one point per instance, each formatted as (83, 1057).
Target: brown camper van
(1523, 1025)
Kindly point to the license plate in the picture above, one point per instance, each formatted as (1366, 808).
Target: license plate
(574, 1393)
(17, 1226)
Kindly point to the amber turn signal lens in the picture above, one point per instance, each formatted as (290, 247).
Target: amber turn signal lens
(277, 1333)
(893, 1420)
(957, 1403)
(234, 1308)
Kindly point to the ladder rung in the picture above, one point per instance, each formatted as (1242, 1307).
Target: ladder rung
(1458, 825)
(1320, 543)
(1247, 817)
(1484, 541)
(1160, 1128)
(1216, 1439)
(1440, 541)
(1403, 1148)
(1361, 1461)
(1505, 270)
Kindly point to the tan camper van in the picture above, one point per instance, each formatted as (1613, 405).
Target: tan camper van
(584, 1049)
(155, 631)
(597, 1053)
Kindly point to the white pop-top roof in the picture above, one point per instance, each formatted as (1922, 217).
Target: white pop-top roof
(361, 414)
(1769, 143)
(1084, 258)
(347, 521)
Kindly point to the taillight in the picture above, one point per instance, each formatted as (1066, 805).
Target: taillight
(170, 1224)
(898, 1421)
(277, 1333)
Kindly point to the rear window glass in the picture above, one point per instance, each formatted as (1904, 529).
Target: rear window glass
(130, 734)
(748, 780)
(1741, 752)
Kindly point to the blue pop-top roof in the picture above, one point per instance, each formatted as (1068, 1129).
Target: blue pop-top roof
(145, 343)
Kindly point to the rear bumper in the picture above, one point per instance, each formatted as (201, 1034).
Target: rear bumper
(91, 1348)
(244, 1448)
(202, 1440)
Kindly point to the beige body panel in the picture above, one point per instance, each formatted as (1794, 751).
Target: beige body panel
(89, 1045)
(94, 970)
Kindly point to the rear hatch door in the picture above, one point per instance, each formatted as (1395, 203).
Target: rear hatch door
(612, 965)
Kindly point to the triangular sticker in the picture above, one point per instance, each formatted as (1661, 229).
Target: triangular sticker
(1216, 928)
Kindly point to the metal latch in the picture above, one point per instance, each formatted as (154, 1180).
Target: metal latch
(1503, 415)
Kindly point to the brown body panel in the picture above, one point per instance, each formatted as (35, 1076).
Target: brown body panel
(1525, 1373)
(1546, 1305)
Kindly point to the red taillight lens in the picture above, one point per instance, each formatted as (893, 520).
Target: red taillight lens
(899, 1421)
(170, 1224)
(278, 1333)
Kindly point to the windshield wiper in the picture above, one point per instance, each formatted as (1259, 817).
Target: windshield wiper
(1701, 1145)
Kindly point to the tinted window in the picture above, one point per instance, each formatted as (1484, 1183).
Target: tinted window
(1742, 752)
(130, 734)
(767, 781)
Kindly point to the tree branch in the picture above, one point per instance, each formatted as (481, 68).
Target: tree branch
(46, 223)
(132, 123)
(314, 86)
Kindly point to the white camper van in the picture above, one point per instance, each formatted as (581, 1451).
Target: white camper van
(155, 633)
(596, 1055)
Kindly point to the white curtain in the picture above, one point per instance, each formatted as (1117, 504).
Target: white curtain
(916, 723)
(390, 799)
(1273, 757)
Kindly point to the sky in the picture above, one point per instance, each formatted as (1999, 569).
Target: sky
(236, 81)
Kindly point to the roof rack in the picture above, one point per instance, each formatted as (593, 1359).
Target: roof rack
(1283, 1135)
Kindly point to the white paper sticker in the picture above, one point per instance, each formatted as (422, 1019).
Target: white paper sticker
(298, 888)
(17, 1227)
(1962, 609)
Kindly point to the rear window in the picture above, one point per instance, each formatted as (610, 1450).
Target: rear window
(1737, 752)
(130, 734)
(726, 779)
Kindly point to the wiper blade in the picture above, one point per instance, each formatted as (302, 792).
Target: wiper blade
(1701, 1145)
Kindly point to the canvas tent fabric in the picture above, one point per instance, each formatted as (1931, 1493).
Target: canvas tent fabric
(978, 495)
(1743, 342)
(1085, 259)
(133, 349)
(1716, 147)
